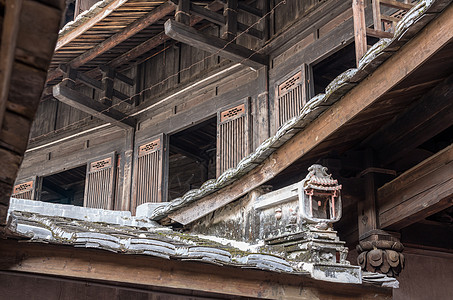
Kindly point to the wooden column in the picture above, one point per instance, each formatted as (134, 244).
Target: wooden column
(108, 75)
(182, 14)
(128, 159)
(367, 207)
(377, 15)
(231, 20)
(10, 29)
(358, 11)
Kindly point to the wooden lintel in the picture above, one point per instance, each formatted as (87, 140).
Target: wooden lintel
(105, 12)
(399, 66)
(140, 24)
(117, 269)
(92, 107)
(417, 193)
(378, 33)
(396, 4)
(191, 36)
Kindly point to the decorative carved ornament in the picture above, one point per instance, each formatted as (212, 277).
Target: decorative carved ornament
(380, 252)
(319, 196)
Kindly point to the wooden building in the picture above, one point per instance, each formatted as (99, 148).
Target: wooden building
(202, 107)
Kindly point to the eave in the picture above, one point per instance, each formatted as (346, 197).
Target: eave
(355, 104)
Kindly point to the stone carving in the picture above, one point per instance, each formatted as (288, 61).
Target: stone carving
(380, 252)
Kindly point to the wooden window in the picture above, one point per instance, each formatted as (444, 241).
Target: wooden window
(27, 189)
(150, 171)
(291, 96)
(233, 135)
(100, 182)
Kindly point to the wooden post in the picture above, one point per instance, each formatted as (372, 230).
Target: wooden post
(11, 24)
(367, 207)
(358, 11)
(128, 159)
(108, 75)
(231, 20)
(182, 14)
(377, 15)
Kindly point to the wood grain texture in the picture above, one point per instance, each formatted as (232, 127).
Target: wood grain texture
(388, 75)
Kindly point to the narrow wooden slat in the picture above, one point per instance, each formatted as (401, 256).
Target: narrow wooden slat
(79, 30)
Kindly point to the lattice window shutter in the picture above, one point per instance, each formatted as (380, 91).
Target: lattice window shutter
(27, 189)
(233, 135)
(150, 171)
(100, 182)
(291, 96)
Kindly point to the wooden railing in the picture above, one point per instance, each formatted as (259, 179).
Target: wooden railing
(386, 14)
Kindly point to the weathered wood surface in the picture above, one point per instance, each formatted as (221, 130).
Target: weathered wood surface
(358, 8)
(429, 116)
(88, 105)
(86, 264)
(145, 21)
(417, 193)
(107, 10)
(433, 37)
(29, 33)
(215, 45)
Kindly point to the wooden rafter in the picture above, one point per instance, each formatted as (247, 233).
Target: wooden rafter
(398, 67)
(212, 44)
(156, 40)
(140, 24)
(92, 107)
(430, 116)
(107, 10)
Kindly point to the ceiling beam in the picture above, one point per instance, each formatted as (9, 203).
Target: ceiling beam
(431, 115)
(215, 45)
(133, 28)
(418, 193)
(92, 107)
(156, 40)
(399, 66)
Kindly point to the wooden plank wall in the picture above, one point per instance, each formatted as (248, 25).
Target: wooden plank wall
(299, 34)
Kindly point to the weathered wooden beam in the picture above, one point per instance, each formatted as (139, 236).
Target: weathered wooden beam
(92, 107)
(191, 36)
(77, 31)
(218, 19)
(138, 25)
(182, 14)
(429, 116)
(377, 15)
(10, 28)
(433, 37)
(417, 193)
(396, 4)
(118, 269)
(358, 12)
(156, 40)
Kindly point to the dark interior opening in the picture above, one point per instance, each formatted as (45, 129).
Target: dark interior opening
(328, 69)
(69, 12)
(192, 157)
(66, 187)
